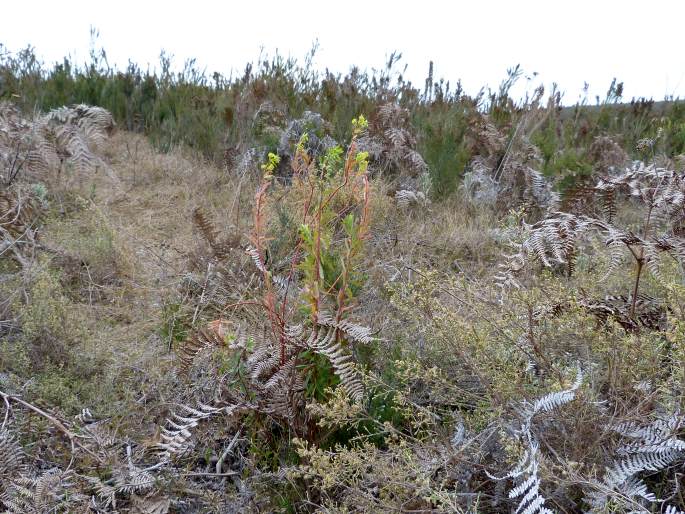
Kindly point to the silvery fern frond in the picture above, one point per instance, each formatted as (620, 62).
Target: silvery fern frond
(355, 332)
(650, 447)
(406, 198)
(256, 258)
(176, 435)
(327, 343)
(69, 135)
(526, 470)
(528, 489)
(50, 491)
(553, 400)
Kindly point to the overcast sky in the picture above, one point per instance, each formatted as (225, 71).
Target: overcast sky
(642, 43)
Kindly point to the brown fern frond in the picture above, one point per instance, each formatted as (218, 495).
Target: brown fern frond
(150, 504)
(220, 248)
(212, 335)
(354, 332)
(68, 135)
(19, 212)
(503, 171)
(84, 116)
(606, 154)
(278, 376)
(396, 136)
(131, 479)
(607, 190)
(391, 143)
(650, 313)
(105, 493)
(73, 146)
(206, 226)
(19, 216)
(78, 132)
(263, 362)
(661, 189)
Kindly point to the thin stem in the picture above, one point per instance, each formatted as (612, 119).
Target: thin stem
(73, 438)
(638, 273)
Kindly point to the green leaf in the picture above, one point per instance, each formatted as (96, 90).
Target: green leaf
(306, 235)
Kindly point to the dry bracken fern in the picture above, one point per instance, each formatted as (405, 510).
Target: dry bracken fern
(650, 447)
(220, 247)
(66, 137)
(391, 143)
(50, 491)
(12, 463)
(557, 239)
(212, 335)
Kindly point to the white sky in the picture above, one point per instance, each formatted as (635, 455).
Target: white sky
(569, 42)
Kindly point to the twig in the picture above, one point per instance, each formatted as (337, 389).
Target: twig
(228, 474)
(73, 438)
(204, 290)
(220, 462)
(7, 412)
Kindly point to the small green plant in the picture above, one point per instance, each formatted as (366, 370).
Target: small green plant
(306, 352)
(176, 323)
(334, 222)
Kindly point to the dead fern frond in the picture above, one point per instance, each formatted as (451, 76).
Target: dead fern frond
(212, 335)
(503, 170)
(528, 489)
(326, 342)
(69, 136)
(19, 213)
(131, 480)
(555, 240)
(12, 463)
(551, 401)
(607, 155)
(87, 117)
(105, 493)
(257, 259)
(391, 143)
(220, 248)
(649, 448)
(406, 198)
(353, 331)
(52, 491)
(526, 471)
(150, 504)
(177, 435)
(19, 216)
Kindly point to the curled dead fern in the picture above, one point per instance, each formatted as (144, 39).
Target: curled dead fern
(51, 491)
(391, 142)
(557, 239)
(212, 335)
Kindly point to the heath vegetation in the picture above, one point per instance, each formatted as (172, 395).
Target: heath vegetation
(294, 291)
